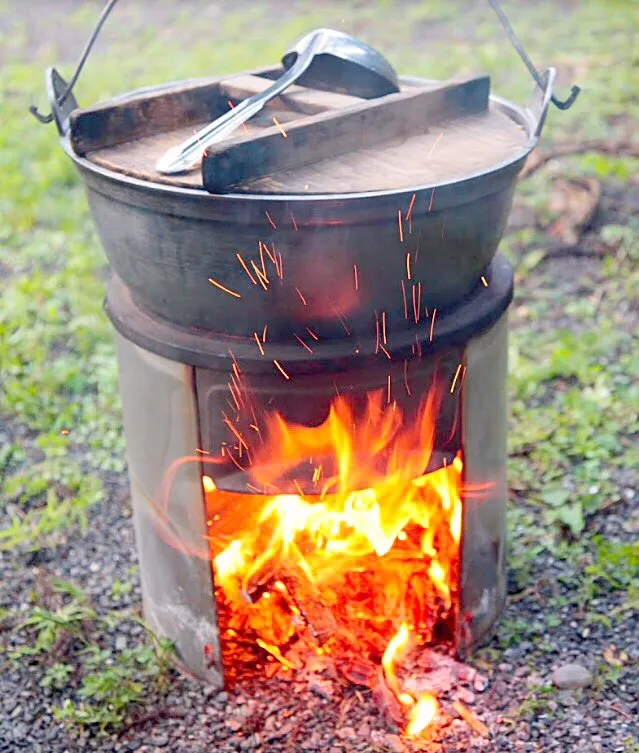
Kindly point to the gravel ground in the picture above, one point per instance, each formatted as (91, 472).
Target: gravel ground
(284, 715)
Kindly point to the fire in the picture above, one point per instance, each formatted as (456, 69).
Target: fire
(352, 549)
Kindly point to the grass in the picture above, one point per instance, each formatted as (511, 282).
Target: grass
(91, 682)
(574, 380)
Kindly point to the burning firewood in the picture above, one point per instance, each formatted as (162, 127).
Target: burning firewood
(308, 601)
(386, 700)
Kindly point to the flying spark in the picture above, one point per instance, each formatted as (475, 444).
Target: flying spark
(408, 264)
(452, 386)
(270, 219)
(246, 269)
(299, 292)
(284, 374)
(259, 344)
(432, 149)
(405, 302)
(221, 287)
(410, 206)
(484, 281)
(408, 392)
(264, 331)
(356, 277)
(342, 321)
(236, 432)
(232, 106)
(312, 334)
(432, 198)
(384, 327)
(281, 130)
(232, 391)
(432, 326)
(294, 222)
(388, 392)
(261, 277)
(270, 254)
(401, 227)
(260, 245)
(302, 343)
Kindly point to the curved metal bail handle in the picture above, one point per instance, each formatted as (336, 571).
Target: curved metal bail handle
(58, 91)
(541, 99)
(539, 79)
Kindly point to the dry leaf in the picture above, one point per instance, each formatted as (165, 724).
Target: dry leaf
(576, 201)
(614, 657)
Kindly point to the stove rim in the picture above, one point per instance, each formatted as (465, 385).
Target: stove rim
(213, 350)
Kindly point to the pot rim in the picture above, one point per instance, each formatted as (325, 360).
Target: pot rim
(519, 115)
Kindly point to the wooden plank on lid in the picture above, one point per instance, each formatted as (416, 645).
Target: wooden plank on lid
(364, 125)
(152, 112)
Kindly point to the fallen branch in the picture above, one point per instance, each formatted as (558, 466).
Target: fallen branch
(470, 719)
(541, 157)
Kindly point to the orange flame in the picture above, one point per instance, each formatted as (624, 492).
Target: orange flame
(352, 550)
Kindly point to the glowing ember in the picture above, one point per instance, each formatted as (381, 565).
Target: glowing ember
(364, 568)
(422, 714)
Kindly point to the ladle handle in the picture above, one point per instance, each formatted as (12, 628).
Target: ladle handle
(187, 155)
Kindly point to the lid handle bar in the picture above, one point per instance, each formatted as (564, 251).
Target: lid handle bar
(540, 80)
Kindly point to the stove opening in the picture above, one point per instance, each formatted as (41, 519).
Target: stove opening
(335, 542)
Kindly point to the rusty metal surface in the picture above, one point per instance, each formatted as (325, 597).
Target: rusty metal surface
(484, 429)
(161, 426)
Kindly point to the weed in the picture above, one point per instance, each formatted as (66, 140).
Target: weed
(98, 685)
(537, 702)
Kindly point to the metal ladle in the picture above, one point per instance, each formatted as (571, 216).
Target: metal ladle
(319, 59)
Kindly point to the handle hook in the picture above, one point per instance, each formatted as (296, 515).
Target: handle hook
(539, 79)
(58, 102)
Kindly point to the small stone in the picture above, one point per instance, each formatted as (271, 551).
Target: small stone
(20, 731)
(233, 724)
(377, 737)
(346, 733)
(571, 676)
(322, 687)
(480, 683)
(395, 743)
(159, 739)
(222, 698)
(94, 567)
(363, 731)
(120, 643)
(465, 695)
